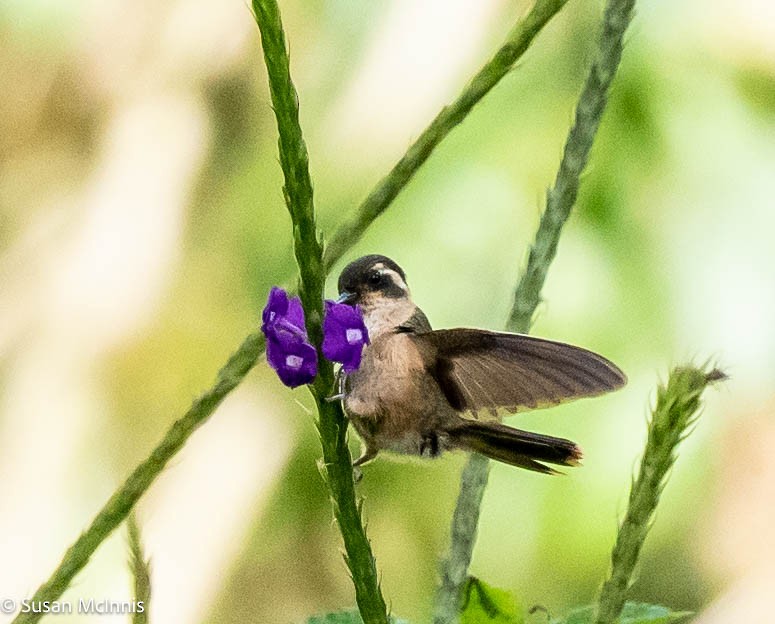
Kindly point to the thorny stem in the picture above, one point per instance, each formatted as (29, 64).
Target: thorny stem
(677, 408)
(141, 572)
(559, 202)
(561, 198)
(454, 569)
(332, 425)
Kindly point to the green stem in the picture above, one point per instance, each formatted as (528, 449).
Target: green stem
(517, 42)
(676, 411)
(332, 425)
(295, 164)
(124, 499)
(561, 198)
(465, 518)
(141, 572)
(559, 202)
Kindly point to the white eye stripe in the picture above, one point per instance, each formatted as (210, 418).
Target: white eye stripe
(396, 276)
(397, 279)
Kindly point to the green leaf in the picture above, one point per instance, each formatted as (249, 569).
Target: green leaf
(633, 613)
(642, 613)
(483, 604)
(351, 616)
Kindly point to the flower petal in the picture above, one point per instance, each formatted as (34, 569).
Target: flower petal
(276, 306)
(294, 359)
(344, 335)
(288, 350)
(295, 315)
(353, 361)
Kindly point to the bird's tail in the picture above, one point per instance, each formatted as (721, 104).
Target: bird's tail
(513, 446)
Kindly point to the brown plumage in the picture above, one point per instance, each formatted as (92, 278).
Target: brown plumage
(478, 369)
(421, 392)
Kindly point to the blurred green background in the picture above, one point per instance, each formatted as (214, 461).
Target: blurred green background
(142, 224)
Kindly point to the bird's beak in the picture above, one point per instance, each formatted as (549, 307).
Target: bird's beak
(347, 297)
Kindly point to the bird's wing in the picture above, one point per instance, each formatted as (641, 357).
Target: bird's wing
(478, 370)
(417, 323)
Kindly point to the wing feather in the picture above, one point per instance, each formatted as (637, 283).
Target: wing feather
(483, 370)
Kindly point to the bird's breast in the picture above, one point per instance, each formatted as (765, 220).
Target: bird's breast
(389, 379)
(392, 400)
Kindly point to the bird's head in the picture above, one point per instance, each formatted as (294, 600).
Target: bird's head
(372, 281)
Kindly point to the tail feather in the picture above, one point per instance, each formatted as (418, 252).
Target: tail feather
(514, 446)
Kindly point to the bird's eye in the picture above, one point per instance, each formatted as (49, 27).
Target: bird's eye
(375, 278)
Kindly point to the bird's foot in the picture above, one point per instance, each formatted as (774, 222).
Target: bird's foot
(367, 455)
(429, 445)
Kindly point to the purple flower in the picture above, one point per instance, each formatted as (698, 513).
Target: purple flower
(287, 349)
(294, 359)
(344, 335)
(279, 307)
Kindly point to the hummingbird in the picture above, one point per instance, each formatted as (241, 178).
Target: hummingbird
(420, 391)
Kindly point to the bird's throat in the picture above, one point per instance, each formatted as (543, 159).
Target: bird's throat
(384, 315)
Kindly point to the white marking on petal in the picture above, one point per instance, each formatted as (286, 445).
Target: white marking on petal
(354, 336)
(293, 361)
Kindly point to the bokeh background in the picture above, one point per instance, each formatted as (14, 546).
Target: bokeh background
(142, 224)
